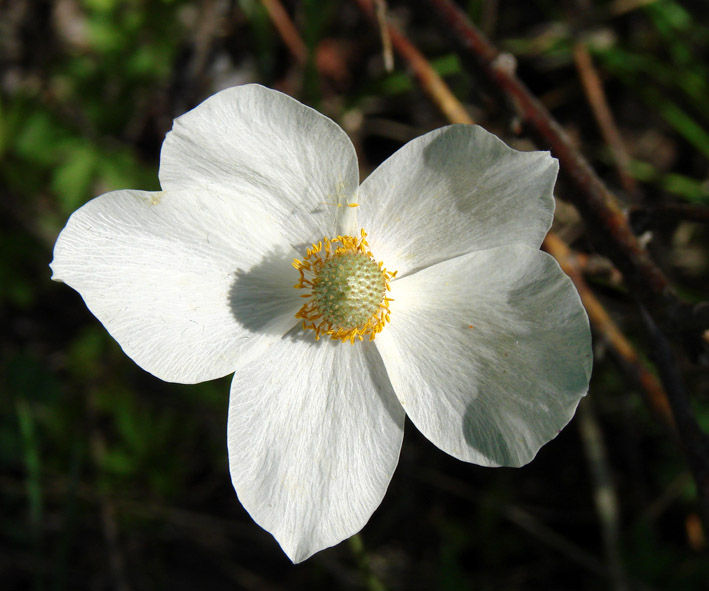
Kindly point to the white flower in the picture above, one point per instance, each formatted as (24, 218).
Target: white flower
(486, 347)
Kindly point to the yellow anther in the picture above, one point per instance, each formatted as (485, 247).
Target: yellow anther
(347, 288)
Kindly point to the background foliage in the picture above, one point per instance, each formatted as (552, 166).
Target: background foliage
(111, 479)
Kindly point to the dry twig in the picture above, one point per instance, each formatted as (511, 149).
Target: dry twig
(432, 84)
(598, 206)
(593, 87)
(286, 29)
(605, 326)
(386, 37)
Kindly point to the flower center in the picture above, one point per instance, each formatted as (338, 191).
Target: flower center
(346, 289)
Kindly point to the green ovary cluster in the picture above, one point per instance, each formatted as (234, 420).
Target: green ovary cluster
(349, 289)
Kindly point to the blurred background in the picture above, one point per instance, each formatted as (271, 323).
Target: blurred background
(113, 480)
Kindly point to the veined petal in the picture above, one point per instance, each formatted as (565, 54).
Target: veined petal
(314, 437)
(489, 353)
(455, 190)
(253, 143)
(186, 283)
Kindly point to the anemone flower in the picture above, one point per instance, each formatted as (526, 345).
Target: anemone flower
(340, 308)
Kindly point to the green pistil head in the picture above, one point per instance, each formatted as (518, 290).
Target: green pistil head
(349, 289)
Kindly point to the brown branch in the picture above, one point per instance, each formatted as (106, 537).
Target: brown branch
(604, 325)
(286, 29)
(432, 84)
(595, 265)
(598, 206)
(596, 96)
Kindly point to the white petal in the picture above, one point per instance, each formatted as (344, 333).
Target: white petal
(455, 190)
(489, 353)
(314, 437)
(186, 283)
(255, 143)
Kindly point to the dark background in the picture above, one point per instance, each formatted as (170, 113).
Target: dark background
(111, 479)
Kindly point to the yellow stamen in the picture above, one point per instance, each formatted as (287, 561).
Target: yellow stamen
(347, 289)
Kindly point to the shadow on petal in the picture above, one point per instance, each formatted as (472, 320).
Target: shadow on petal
(300, 334)
(372, 360)
(443, 156)
(263, 299)
(380, 378)
(485, 436)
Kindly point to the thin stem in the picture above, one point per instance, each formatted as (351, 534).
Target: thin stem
(694, 441)
(287, 30)
(432, 84)
(596, 96)
(605, 496)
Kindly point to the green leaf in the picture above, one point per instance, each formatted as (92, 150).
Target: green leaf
(72, 180)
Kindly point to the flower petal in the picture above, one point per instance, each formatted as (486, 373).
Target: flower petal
(251, 142)
(455, 190)
(489, 353)
(183, 281)
(314, 437)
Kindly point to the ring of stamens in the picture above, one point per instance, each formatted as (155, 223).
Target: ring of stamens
(346, 289)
